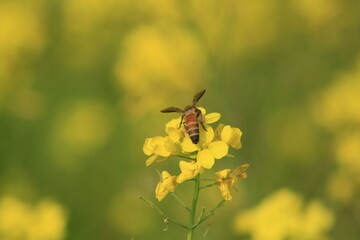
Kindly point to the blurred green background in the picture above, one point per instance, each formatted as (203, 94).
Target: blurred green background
(82, 83)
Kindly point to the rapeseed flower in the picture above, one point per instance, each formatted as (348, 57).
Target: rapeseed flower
(166, 185)
(227, 179)
(213, 144)
(188, 170)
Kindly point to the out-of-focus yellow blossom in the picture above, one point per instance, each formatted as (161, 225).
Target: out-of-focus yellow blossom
(227, 179)
(21, 31)
(283, 216)
(21, 221)
(80, 128)
(189, 170)
(154, 66)
(338, 105)
(216, 19)
(317, 13)
(342, 187)
(337, 109)
(166, 185)
(316, 220)
(347, 150)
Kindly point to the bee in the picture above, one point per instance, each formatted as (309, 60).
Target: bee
(191, 117)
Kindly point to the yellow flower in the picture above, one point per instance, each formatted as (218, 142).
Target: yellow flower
(208, 150)
(226, 180)
(240, 171)
(188, 170)
(173, 129)
(155, 147)
(231, 136)
(160, 147)
(211, 117)
(285, 215)
(166, 185)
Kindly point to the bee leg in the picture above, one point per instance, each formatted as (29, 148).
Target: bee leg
(185, 130)
(201, 118)
(181, 121)
(202, 124)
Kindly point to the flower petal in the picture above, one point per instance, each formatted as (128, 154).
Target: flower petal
(206, 136)
(169, 181)
(235, 140)
(206, 158)
(223, 173)
(161, 150)
(175, 123)
(160, 191)
(225, 192)
(188, 170)
(231, 136)
(151, 160)
(219, 149)
(203, 111)
(147, 147)
(212, 117)
(188, 146)
(226, 133)
(174, 134)
(240, 171)
(218, 131)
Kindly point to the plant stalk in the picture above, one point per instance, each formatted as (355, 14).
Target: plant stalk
(193, 208)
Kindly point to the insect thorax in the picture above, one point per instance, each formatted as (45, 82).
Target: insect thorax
(189, 109)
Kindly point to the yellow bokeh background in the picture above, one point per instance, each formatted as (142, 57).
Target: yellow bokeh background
(82, 84)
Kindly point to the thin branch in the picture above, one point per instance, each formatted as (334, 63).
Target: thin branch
(211, 212)
(152, 205)
(201, 214)
(186, 157)
(209, 185)
(180, 201)
(206, 179)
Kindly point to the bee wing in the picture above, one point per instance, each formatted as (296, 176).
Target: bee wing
(198, 96)
(172, 109)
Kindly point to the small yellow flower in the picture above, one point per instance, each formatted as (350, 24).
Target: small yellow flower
(240, 171)
(160, 147)
(211, 117)
(174, 130)
(227, 179)
(166, 185)
(156, 145)
(208, 150)
(231, 136)
(188, 170)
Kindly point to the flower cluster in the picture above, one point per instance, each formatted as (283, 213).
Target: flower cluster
(213, 145)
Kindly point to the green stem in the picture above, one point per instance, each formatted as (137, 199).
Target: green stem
(209, 185)
(206, 179)
(211, 212)
(193, 208)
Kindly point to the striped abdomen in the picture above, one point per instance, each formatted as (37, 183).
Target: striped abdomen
(192, 126)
